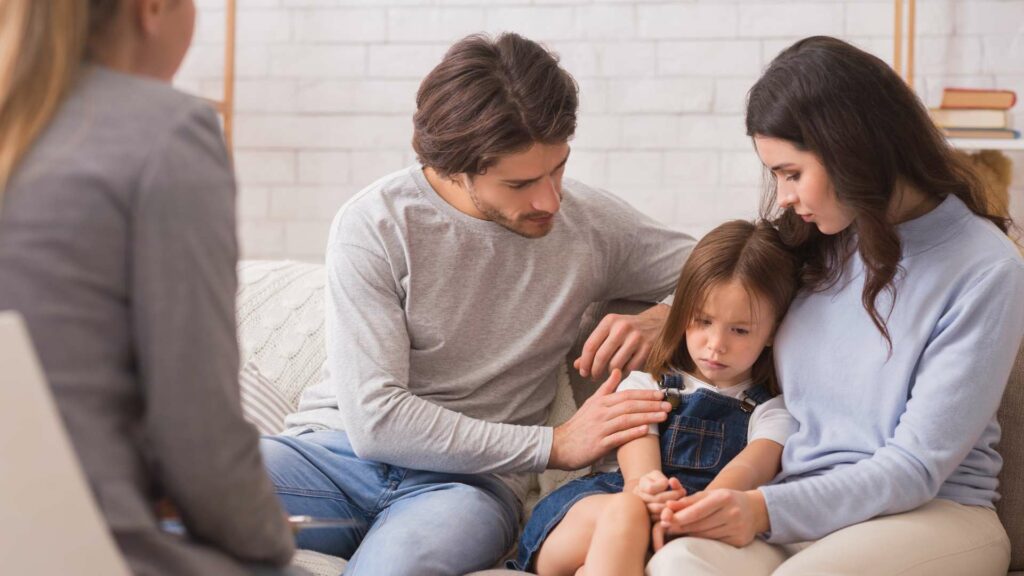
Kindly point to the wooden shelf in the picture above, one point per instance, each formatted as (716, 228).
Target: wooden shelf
(908, 77)
(226, 105)
(987, 144)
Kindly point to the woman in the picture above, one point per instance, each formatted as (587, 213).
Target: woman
(117, 244)
(894, 357)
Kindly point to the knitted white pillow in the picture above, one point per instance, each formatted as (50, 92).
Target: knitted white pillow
(262, 403)
(281, 322)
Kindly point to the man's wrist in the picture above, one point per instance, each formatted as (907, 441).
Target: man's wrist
(551, 441)
(659, 311)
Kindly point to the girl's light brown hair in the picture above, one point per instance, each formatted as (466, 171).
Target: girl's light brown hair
(42, 45)
(750, 253)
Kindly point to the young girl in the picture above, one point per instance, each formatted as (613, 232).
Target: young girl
(896, 352)
(714, 362)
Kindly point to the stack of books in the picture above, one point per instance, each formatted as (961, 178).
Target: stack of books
(973, 113)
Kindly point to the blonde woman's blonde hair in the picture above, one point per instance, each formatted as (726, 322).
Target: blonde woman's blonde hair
(42, 45)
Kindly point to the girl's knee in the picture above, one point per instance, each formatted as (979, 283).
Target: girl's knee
(626, 509)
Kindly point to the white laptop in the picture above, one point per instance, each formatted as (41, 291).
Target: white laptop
(49, 523)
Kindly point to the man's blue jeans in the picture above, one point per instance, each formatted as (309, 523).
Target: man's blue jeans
(410, 521)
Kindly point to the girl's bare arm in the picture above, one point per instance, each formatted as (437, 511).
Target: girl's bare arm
(638, 457)
(755, 466)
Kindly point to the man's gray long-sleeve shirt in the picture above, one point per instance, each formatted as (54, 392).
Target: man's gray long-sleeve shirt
(445, 332)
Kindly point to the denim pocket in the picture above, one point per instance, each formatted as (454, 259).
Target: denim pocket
(692, 443)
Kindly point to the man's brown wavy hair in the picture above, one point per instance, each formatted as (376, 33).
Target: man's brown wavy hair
(489, 98)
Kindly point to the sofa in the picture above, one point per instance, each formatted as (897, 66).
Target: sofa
(281, 335)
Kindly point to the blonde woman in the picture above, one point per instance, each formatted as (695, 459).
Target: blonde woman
(117, 244)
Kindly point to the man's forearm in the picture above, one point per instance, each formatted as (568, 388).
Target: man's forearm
(411, 432)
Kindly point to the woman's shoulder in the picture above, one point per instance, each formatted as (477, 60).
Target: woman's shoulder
(988, 241)
(960, 245)
(133, 116)
(117, 137)
(977, 260)
(135, 98)
(110, 126)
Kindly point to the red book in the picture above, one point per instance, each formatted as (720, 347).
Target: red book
(978, 98)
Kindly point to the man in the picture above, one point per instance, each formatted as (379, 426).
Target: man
(455, 289)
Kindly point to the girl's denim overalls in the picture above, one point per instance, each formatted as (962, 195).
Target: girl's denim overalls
(701, 435)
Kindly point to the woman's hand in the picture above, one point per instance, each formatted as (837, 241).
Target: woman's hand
(731, 516)
(655, 489)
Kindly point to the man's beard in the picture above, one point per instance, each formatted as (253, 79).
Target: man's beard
(521, 226)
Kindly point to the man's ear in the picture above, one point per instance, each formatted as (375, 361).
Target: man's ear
(459, 179)
(149, 15)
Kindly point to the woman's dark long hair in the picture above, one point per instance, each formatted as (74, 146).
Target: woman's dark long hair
(871, 133)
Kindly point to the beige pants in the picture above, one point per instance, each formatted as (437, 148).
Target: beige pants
(941, 537)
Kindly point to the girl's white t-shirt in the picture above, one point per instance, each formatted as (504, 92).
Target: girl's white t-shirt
(770, 420)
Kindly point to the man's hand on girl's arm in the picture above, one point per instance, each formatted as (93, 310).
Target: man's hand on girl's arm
(607, 420)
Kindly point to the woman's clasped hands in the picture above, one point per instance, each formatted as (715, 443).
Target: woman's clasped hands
(731, 516)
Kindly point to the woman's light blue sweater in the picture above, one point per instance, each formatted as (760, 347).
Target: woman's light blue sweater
(879, 433)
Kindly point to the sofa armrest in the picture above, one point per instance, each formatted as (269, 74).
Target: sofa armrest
(1011, 448)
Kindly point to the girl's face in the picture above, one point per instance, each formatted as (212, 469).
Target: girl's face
(728, 334)
(803, 184)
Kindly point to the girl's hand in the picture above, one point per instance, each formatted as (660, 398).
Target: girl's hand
(655, 489)
(732, 516)
(658, 537)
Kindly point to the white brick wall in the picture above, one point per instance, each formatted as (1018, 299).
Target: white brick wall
(326, 90)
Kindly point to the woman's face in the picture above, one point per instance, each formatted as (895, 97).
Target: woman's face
(803, 184)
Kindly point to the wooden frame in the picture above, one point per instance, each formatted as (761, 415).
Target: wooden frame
(897, 57)
(226, 105)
